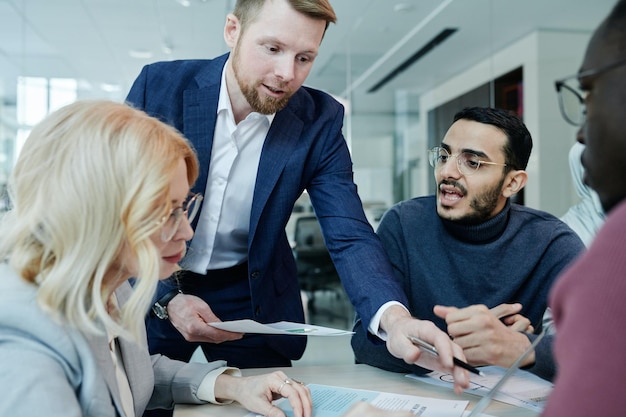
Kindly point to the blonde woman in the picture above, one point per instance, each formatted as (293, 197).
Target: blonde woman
(100, 194)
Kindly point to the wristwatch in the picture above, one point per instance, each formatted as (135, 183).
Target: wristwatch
(160, 307)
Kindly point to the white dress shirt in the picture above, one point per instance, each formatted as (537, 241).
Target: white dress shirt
(221, 236)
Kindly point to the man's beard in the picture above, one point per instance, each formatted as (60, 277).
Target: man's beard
(483, 204)
(265, 105)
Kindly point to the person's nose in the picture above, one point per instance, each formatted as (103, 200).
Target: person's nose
(451, 168)
(184, 231)
(285, 68)
(580, 135)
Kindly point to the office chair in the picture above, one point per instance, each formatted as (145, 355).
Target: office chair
(316, 271)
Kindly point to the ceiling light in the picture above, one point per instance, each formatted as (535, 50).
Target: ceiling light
(184, 3)
(140, 53)
(110, 88)
(402, 7)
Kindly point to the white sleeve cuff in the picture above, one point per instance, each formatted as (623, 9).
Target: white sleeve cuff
(206, 390)
(374, 326)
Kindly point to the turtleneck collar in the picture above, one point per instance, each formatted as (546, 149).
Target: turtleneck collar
(484, 232)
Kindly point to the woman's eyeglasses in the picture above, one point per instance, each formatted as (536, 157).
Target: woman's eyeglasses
(171, 223)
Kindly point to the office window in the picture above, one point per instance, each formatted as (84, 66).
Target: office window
(36, 98)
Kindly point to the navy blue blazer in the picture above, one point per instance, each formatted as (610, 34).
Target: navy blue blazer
(304, 149)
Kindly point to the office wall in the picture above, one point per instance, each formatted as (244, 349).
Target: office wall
(544, 56)
(372, 155)
(373, 173)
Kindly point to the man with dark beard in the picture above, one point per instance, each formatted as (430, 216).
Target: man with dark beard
(471, 261)
(262, 139)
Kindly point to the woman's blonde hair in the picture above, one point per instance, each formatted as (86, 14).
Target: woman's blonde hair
(92, 178)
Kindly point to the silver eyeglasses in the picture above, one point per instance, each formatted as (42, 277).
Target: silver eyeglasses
(467, 162)
(171, 223)
(571, 99)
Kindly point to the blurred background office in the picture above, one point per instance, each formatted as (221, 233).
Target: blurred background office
(402, 68)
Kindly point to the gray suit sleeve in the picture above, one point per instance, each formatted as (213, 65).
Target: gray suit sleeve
(177, 382)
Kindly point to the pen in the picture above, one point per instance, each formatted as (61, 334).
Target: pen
(433, 350)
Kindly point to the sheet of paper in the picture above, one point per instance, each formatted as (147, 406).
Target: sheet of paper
(467, 413)
(330, 401)
(523, 389)
(281, 327)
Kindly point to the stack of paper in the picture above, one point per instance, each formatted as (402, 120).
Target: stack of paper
(281, 327)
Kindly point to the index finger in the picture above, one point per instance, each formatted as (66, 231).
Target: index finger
(504, 310)
(447, 349)
(455, 314)
(299, 397)
(443, 311)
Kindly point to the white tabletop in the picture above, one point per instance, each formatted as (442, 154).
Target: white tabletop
(355, 376)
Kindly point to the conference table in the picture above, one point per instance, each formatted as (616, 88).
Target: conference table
(358, 377)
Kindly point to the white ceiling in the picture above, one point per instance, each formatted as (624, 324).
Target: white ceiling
(91, 39)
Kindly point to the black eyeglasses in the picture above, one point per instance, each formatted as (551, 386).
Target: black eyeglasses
(571, 100)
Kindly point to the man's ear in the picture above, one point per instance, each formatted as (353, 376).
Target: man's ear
(515, 181)
(232, 29)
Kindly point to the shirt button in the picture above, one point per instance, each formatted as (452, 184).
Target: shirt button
(255, 274)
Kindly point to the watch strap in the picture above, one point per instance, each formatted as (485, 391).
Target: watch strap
(160, 306)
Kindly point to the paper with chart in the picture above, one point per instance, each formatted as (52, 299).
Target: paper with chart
(330, 401)
(523, 389)
(281, 327)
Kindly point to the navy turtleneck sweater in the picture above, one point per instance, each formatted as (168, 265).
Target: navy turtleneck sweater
(512, 257)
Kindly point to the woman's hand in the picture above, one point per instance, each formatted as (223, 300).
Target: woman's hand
(256, 393)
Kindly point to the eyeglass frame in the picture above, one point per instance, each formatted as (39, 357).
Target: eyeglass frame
(559, 84)
(195, 199)
(436, 150)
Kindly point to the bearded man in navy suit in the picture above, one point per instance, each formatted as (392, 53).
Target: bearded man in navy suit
(262, 140)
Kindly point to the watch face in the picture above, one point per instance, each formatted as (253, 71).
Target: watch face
(160, 311)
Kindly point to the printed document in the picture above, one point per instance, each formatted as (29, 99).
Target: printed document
(523, 389)
(281, 327)
(329, 401)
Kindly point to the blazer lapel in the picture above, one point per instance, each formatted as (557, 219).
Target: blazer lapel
(100, 348)
(278, 146)
(200, 114)
(200, 107)
(136, 360)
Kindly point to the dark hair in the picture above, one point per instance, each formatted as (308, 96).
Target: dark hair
(616, 21)
(519, 144)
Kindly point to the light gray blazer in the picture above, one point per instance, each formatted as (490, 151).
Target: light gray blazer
(48, 369)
